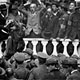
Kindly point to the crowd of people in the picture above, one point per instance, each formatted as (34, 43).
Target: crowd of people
(48, 19)
(24, 65)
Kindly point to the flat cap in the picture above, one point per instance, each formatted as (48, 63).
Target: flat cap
(72, 61)
(28, 51)
(42, 55)
(19, 56)
(51, 61)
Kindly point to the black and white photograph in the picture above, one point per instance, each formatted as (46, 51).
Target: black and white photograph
(39, 39)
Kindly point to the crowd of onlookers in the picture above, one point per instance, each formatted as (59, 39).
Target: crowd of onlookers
(42, 19)
(48, 19)
(24, 65)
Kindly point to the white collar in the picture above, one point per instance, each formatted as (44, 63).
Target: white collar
(55, 13)
(74, 71)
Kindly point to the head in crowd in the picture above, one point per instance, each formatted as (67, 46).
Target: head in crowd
(72, 6)
(52, 63)
(19, 57)
(42, 57)
(28, 53)
(49, 11)
(33, 7)
(54, 7)
(64, 7)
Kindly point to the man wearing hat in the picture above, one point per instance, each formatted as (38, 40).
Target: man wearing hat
(52, 63)
(41, 71)
(20, 71)
(29, 61)
(75, 73)
(47, 24)
(54, 69)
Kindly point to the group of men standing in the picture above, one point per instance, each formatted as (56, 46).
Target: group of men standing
(50, 20)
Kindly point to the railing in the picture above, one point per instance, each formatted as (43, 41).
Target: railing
(35, 41)
(55, 43)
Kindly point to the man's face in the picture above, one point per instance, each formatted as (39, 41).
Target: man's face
(72, 6)
(49, 11)
(54, 7)
(33, 8)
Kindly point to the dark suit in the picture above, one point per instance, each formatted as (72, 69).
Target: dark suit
(63, 24)
(74, 27)
(49, 24)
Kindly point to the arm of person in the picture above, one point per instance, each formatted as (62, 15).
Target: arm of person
(28, 2)
(23, 10)
(41, 6)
